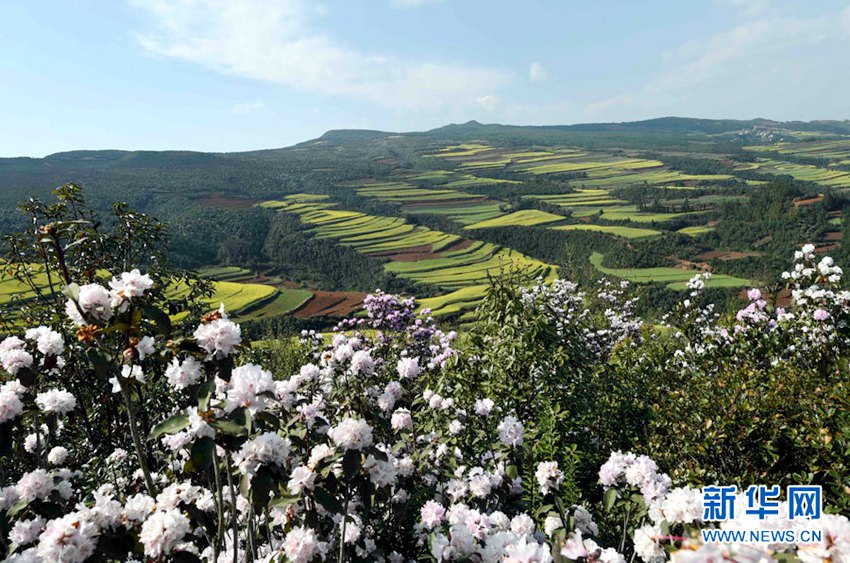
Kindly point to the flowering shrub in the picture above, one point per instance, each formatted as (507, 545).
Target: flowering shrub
(128, 436)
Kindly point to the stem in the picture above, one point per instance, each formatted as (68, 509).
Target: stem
(134, 432)
(342, 532)
(219, 508)
(234, 518)
(251, 548)
(625, 529)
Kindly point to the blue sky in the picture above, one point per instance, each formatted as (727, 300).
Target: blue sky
(229, 75)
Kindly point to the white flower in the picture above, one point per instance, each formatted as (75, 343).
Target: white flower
(162, 531)
(198, 426)
(94, 300)
(138, 507)
(455, 427)
(220, 337)
(301, 478)
(525, 551)
(549, 477)
(268, 448)
(646, 546)
(25, 532)
(36, 484)
(11, 406)
(70, 539)
(551, 524)
(127, 372)
(431, 514)
(382, 473)
(57, 455)
(408, 368)
(130, 285)
(682, 505)
(317, 454)
(522, 525)
(511, 431)
(302, 546)
(48, 342)
(183, 374)
(56, 400)
(145, 347)
(247, 383)
(362, 362)
(401, 420)
(11, 343)
(483, 407)
(351, 434)
(15, 360)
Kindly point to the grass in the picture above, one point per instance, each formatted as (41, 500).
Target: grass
(696, 231)
(625, 232)
(464, 299)
(224, 273)
(285, 301)
(524, 218)
(675, 278)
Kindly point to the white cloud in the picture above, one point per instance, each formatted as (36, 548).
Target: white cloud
(773, 66)
(488, 102)
(413, 3)
(248, 107)
(537, 72)
(276, 41)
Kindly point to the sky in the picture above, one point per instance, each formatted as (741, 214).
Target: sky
(233, 75)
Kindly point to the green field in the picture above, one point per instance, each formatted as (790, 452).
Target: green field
(837, 150)
(674, 278)
(696, 231)
(807, 173)
(524, 218)
(451, 269)
(625, 232)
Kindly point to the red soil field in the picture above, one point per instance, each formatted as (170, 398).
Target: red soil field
(726, 255)
(330, 303)
(412, 254)
(221, 200)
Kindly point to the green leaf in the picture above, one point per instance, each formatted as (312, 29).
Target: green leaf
(205, 391)
(170, 425)
(328, 502)
(202, 453)
(18, 507)
(261, 487)
(608, 499)
(228, 427)
(99, 362)
(162, 321)
(351, 462)
(512, 472)
(72, 291)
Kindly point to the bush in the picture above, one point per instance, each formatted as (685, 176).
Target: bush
(129, 436)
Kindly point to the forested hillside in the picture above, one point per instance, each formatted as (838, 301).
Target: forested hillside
(437, 213)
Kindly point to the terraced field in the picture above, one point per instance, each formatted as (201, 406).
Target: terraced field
(625, 232)
(837, 150)
(824, 176)
(522, 218)
(674, 278)
(444, 260)
(245, 301)
(631, 213)
(458, 206)
(696, 231)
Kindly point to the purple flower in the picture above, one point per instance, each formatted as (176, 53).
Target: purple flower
(821, 314)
